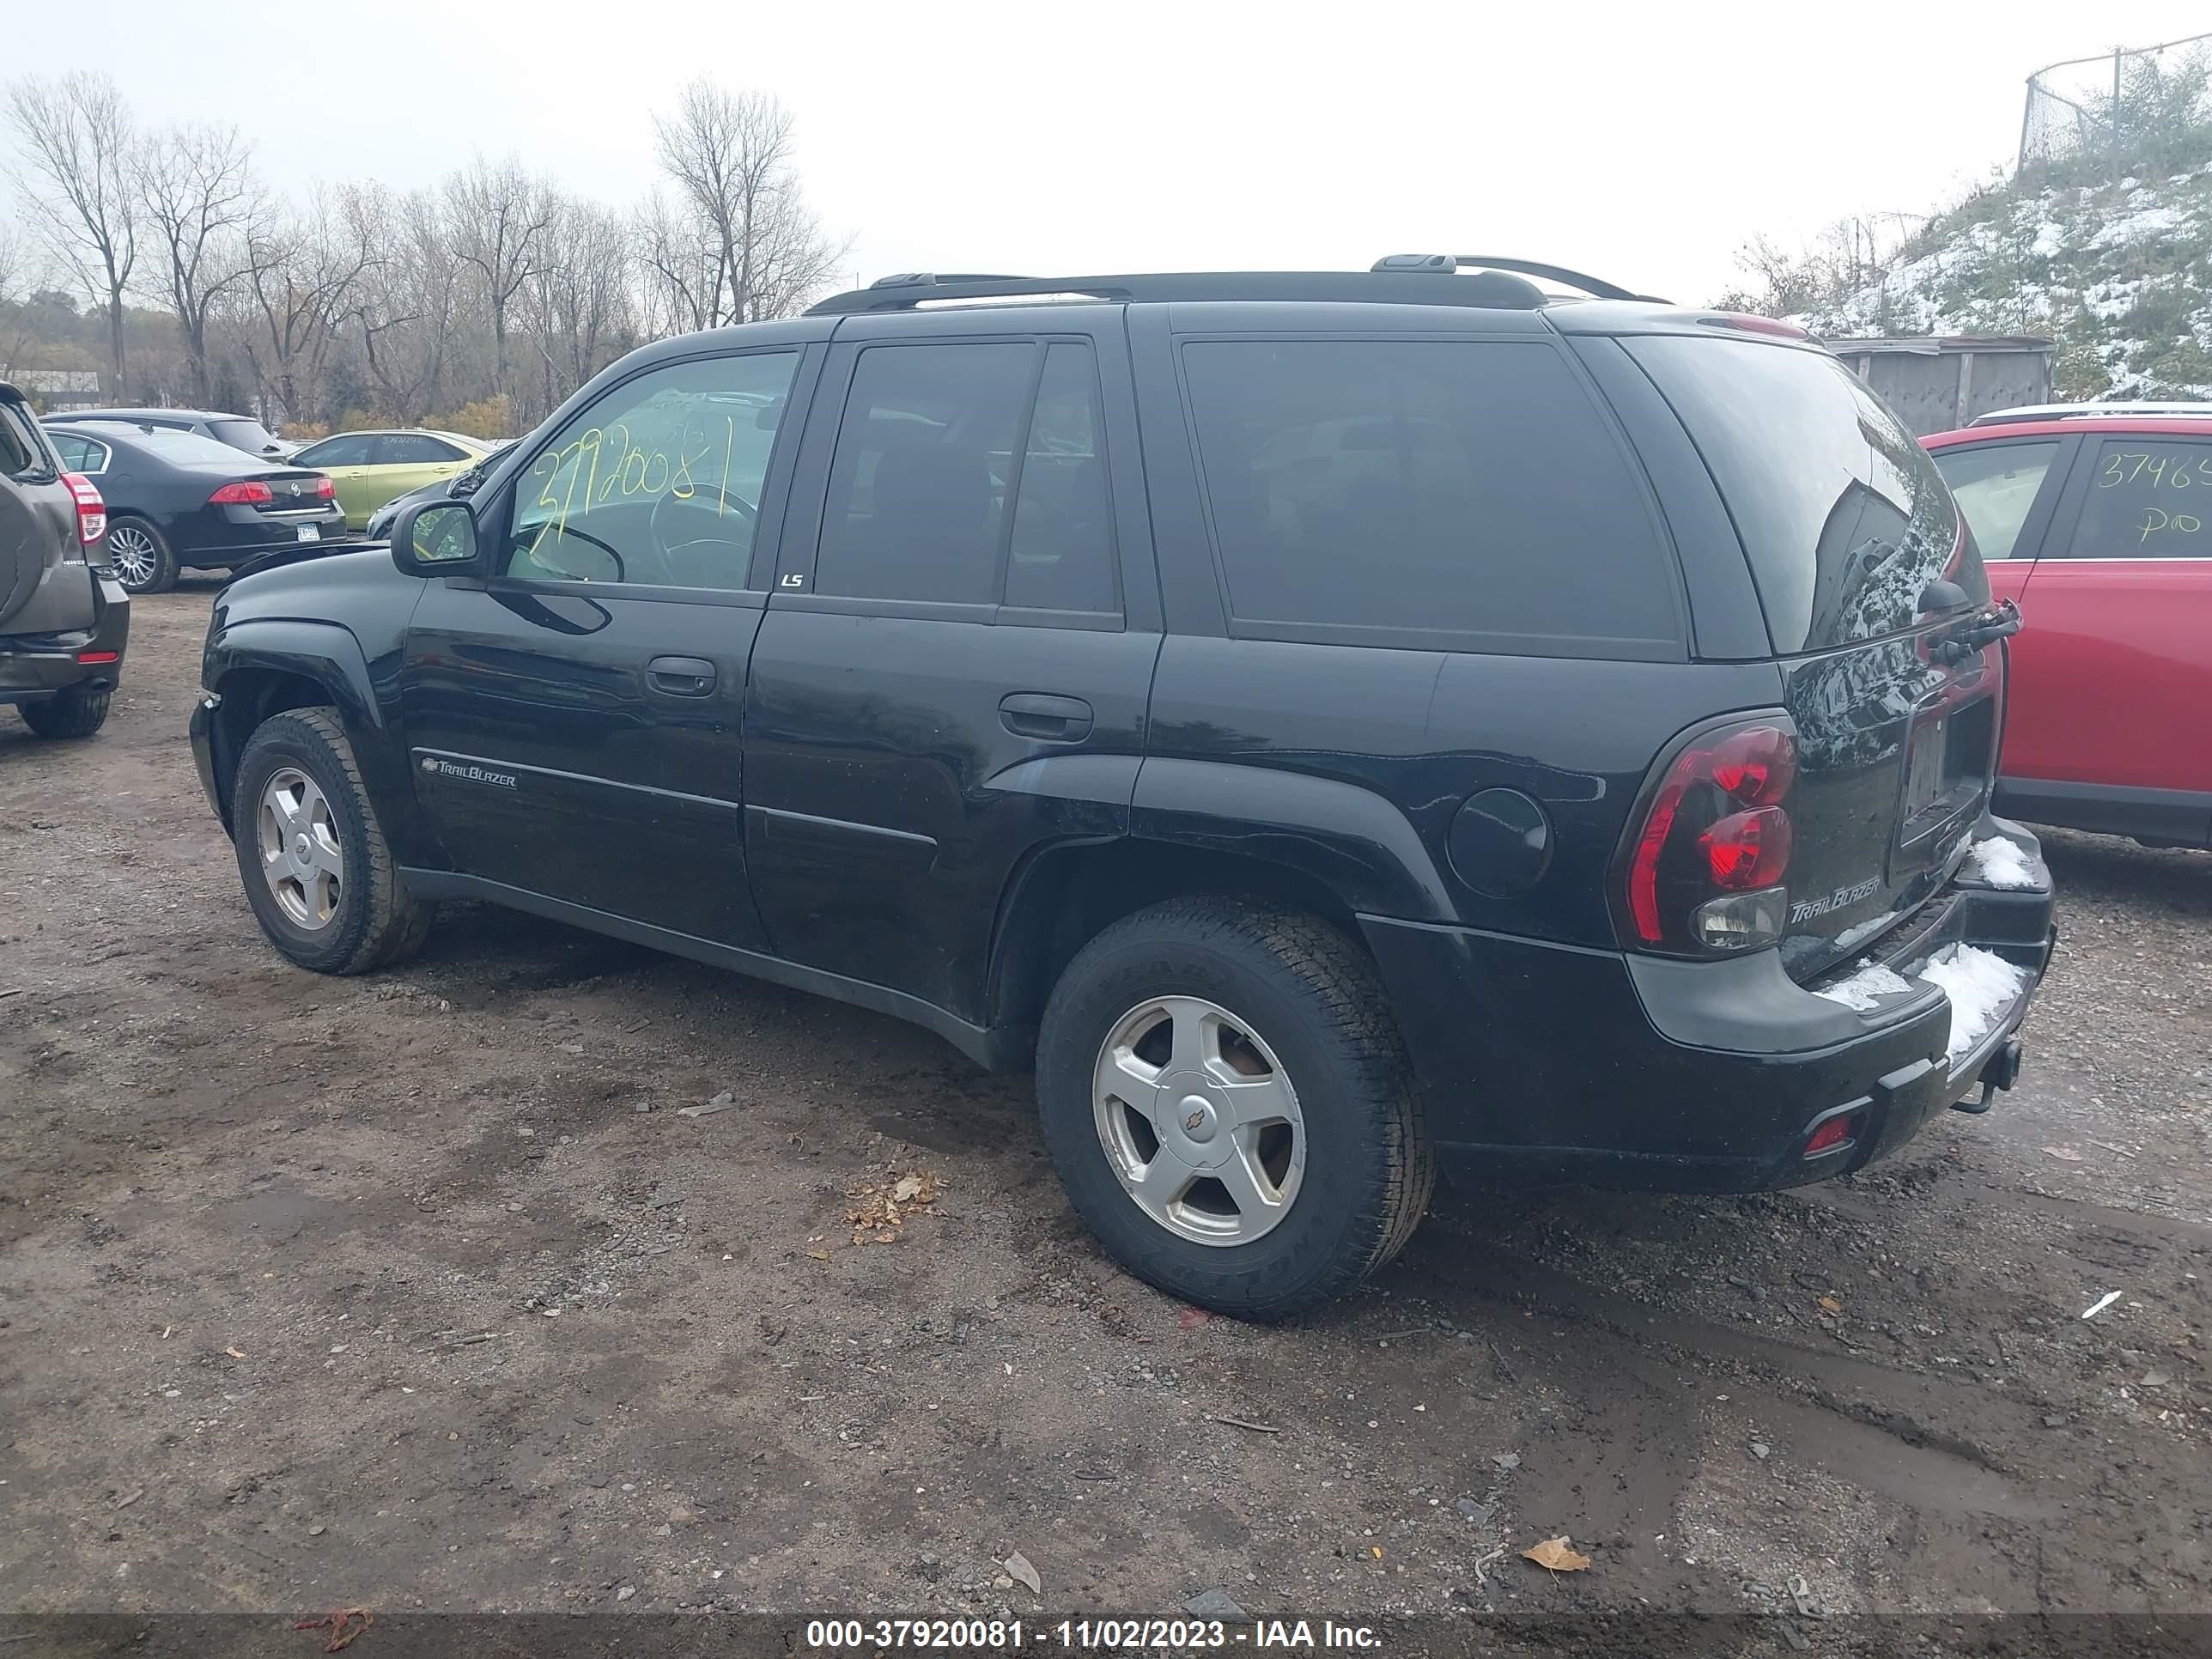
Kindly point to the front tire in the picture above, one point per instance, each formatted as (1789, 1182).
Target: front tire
(76, 713)
(317, 869)
(1229, 1106)
(141, 556)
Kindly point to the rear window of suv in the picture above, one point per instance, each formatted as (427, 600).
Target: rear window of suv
(22, 453)
(1434, 493)
(1844, 517)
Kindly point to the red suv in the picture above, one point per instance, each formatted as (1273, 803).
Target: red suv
(2098, 520)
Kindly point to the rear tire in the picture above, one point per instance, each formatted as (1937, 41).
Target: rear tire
(313, 858)
(76, 713)
(1285, 1002)
(141, 556)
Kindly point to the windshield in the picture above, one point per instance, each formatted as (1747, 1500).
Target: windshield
(251, 436)
(1845, 518)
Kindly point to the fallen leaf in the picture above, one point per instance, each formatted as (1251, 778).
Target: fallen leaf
(234, 1354)
(819, 1255)
(1375, 1550)
(1190, 1319)
(907, 1189)
(2065, 1154)
(1018, 1567)
(1558, 1554)
(1831, 1304)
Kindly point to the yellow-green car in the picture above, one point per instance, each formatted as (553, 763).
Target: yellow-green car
(370, 468)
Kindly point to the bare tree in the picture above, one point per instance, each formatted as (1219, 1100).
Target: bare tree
(730, 157)
(301, 273)
(16, 279)
(497, 215)
(579, 313)
(408, 301)
(195, 183)
(78, 147)
(680, 268)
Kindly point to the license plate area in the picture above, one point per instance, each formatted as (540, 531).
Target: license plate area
(311, 532)
(1946, 766)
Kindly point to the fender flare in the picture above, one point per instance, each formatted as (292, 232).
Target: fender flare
(323, 652)
(1352, 841)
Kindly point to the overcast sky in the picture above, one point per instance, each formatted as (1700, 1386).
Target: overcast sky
(1643, 144)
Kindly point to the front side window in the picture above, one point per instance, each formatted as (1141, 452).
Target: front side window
(659, 483)
(1995, 487)
(2148, 498)
(1464, 492)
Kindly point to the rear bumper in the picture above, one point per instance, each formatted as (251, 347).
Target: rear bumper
(36, 665)
(224, 536)
(1541, 1063)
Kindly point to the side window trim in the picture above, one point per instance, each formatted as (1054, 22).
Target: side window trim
(790, 581)
(495, 513)
(2036, 539)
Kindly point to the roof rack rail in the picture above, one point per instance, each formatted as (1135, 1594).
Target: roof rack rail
(927, 278)
(1495, 288)
(1596, 286)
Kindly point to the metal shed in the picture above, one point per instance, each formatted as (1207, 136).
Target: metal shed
(1937, 382)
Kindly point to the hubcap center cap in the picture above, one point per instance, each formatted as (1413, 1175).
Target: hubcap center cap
(1199, 1120)
(302, 850)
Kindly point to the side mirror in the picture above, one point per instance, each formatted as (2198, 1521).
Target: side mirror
(435, 538)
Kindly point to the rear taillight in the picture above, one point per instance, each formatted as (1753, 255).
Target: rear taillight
(325, 489)
(91, 509)
(1706, 867)
(249, 492)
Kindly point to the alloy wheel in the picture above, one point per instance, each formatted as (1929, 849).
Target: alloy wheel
(132, 551)
(301, 857)
(1198, 1121)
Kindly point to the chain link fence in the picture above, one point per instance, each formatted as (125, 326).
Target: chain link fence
(2145, 111)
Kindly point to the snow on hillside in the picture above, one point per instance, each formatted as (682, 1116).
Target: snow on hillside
(2120, 275)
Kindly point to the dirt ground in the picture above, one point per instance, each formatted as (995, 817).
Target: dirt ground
(416, 1291)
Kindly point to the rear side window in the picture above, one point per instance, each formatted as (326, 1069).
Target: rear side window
(2148, 498)
(22, 455)
(250, 435)
(1842, 515)
(81, 455)
(1996, 486)
(412, 449)
(1444, 494)
(971, 474)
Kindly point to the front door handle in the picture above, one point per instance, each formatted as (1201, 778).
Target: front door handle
(1054, 719)
(681, 676)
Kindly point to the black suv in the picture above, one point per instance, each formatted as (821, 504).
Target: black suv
(64, 618)
(1330, 724)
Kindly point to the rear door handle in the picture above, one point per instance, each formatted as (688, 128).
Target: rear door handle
(1037, 715)
(681, 676)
